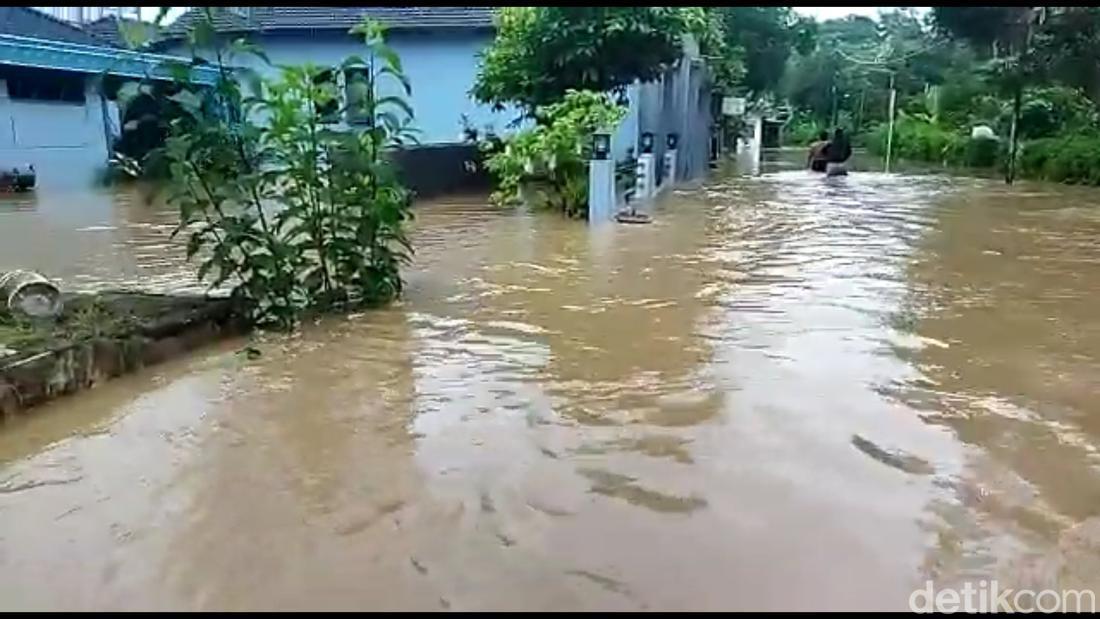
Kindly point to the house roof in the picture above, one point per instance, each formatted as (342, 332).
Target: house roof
(26, 22)
(107, 29)
(283, 18)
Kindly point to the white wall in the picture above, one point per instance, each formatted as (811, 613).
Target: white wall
(441, 68)
(64, 141)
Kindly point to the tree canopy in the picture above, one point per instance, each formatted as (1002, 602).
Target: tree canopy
(540, 53)
(767, 35)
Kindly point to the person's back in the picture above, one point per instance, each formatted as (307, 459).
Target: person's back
(817, 159)
(839, 149)
(837, 152)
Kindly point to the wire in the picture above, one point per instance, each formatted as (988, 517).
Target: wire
(878, 63)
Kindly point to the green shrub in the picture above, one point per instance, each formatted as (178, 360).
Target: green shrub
(295, 215)
(551, 158)
(802, 131)
(982, 153)
(1073, 158)
(919, 140)
(1047, 112)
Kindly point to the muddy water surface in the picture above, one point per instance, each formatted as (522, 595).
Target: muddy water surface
(786, 393)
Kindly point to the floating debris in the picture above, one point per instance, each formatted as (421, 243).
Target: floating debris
(632, 217)
(29, 294)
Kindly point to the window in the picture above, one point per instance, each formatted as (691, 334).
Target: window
(44, 85)
(357, 92)
(330, 111)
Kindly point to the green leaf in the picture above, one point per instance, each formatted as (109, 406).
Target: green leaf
(398, 102)
(400, 77)
(389, 56)
(127, 92)
(188, 100)
(204, 268)
(354, 62)
(193, 245)
(202, 34)
(162, 13)
(244, 46)
(134, 34)
(252, 80)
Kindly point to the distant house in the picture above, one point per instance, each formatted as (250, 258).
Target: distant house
(109, 29)
(52, 112)
(439, 49)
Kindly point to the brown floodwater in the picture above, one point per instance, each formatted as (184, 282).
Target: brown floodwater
(788, 392)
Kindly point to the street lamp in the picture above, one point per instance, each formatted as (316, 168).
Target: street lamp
(601, 145)
(673, 140)
(647, 143)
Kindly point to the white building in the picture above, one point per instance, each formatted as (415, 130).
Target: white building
(85, 14)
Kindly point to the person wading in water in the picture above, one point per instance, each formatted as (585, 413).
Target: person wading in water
(816, 161)
(837, 151)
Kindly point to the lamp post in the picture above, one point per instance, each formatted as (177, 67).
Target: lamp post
(647, 143)
(601, 146)
(601, 179)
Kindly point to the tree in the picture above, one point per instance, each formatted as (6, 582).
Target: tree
(1067, 47)
(1007, 31)
(767, 35)
(826, 83)
(540, 53)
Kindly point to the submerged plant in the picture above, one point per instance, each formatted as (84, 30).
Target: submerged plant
(554, 153)
(286, 189)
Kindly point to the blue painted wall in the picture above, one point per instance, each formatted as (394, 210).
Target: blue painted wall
(441, 67)
(66, 142)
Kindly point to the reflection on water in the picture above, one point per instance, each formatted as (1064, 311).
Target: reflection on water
(788, 392)
(92, 238)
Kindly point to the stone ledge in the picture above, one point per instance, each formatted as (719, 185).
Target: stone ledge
(159, 327)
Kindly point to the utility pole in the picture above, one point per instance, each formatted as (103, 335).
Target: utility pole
(836, 111)
(890, 125)
(1017, 96)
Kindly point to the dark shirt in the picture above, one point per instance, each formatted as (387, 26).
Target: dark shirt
(838, 151)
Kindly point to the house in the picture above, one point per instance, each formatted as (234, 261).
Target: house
(109, 29)
(53, 114)
(438, 46)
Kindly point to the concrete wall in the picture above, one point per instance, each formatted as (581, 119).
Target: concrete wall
(66, 142)
(441, 169)
(441, 67)
(677, 102)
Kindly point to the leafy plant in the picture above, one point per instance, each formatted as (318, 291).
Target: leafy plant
(540, 53)
(552, 157)
(1071, 158)
(803, 130)
(294, 213)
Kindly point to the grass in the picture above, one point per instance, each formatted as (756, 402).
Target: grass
(84, 317)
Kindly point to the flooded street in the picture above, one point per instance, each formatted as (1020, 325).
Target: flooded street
(787, 393)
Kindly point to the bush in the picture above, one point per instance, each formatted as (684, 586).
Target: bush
(803, 131)
(982, 153)
(1049, 111)
(919, 140)
(553, 155)
(295, 215)
(1065, 159)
